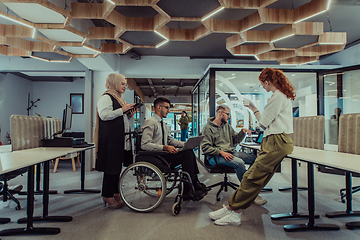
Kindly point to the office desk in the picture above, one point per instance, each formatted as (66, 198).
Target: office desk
(82, 176)
(11, 161)
(337, 160)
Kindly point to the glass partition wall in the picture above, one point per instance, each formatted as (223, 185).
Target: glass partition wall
(341, 96)
(231, 86)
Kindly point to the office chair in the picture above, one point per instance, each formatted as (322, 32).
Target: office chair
(5, 192)
(218, 168)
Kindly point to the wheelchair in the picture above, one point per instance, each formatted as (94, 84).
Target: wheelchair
(145, 183)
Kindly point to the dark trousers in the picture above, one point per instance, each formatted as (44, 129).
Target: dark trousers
(110, 185)
(187, 159)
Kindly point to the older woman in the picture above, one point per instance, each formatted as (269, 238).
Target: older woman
(112, 148)
(277, 122)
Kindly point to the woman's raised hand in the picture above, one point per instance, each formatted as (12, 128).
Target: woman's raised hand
(127, 106)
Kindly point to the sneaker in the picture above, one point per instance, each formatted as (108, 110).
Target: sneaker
(259, 200)
(222, 212)
(231, 219)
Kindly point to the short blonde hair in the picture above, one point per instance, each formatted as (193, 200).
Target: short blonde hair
(222, 107)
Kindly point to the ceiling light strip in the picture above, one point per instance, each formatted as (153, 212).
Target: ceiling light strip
(160, 44)
(110, 1)
(161, 35)
(310, 16)
(16, 21)
(212, 13)
(328, 6)
(283, 37)
(325, 43)
(309, 62)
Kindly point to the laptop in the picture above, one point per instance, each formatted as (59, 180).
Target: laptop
(257, 141)
(192, 143)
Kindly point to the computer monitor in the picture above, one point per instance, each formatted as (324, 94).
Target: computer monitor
(67, 118)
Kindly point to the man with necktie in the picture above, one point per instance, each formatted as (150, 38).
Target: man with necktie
(156, 137)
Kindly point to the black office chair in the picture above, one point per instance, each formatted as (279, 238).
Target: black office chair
(5, 192)
(222, 169)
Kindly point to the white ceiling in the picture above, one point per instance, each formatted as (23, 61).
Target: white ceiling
(35, 13)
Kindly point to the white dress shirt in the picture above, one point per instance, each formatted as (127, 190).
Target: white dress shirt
(106, 113)
(277, 116)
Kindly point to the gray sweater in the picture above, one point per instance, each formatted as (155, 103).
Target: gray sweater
(219, 138)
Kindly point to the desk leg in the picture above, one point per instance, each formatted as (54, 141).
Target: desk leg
(37, 186)
(293, 162)
(82, 189)
(30, 229)
(311, 205)
(349, 212)
(45, 216)
(294, 189)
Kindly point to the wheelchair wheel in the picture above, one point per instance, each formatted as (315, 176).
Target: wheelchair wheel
(142, 187)
(176, 208)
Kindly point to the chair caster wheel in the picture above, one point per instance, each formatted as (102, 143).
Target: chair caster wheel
(218, 199)
(17, 208)
(176, 208)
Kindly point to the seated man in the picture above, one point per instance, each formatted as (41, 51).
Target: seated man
(219, 142)
(156, 137)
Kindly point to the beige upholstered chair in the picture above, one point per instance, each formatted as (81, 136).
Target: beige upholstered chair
(71, 156)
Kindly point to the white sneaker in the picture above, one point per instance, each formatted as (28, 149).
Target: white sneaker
(222, 212)
(231, 219)
(259, 200)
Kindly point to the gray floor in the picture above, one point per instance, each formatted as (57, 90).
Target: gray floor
(92, 221)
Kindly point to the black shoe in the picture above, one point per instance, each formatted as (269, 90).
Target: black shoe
(198, 195)
(187, 197)
(201, 186)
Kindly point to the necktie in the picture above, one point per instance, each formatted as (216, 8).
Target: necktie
(162, 132)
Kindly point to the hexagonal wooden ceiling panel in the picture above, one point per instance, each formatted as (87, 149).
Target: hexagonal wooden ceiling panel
(268, 30)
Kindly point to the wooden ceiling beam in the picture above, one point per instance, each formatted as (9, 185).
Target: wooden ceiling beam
(263, 47)
(87, 10)
(116, 19)
(320, 50)
(160, 21)
(250, 22)
(256, 36)
(277, 55)
(11, 51)
(278, 16)
(332, 38)
(112, 48)
(200, 32)
(234, 41)
(27, 45)
(310, 9)
(139, 24)
(308, 28)
(242, 4)
(133, 2)
(298, 60)
(101, 33)
(16, 31)
(225, 26)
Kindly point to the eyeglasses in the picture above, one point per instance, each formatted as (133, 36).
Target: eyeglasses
(227, 114)
(167, 107)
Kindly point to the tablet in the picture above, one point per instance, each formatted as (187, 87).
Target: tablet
(137, 105)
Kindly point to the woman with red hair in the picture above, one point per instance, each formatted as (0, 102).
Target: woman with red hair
(277, 122)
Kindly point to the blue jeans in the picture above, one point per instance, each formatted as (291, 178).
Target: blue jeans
(184, 134)
(236, 162)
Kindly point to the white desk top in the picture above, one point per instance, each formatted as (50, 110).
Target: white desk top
(5, 148)
(343, 161)
(10, 161)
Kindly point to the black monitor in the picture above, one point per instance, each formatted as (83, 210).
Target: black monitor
(67, 118)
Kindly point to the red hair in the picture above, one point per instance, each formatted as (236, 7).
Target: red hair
(279, 80)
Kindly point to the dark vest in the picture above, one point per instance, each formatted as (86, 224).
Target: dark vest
(111, 143)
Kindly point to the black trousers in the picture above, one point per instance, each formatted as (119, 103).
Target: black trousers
(110, 185)
(187, 159)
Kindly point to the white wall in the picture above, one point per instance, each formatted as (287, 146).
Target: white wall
(53, 98)
(14, 92)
